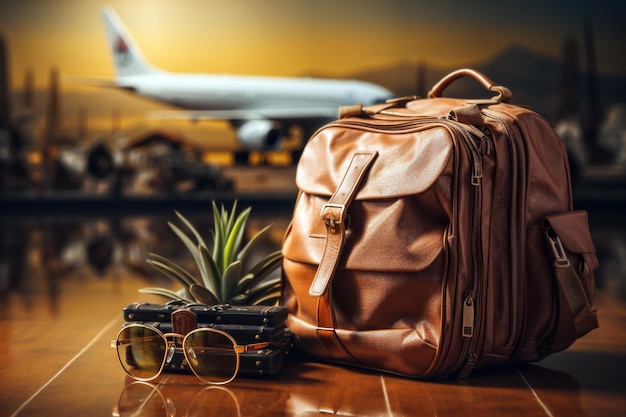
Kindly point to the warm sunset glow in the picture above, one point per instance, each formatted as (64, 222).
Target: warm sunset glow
(339, 39)
(281, 37)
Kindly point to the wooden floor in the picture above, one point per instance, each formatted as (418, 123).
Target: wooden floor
(57, 361)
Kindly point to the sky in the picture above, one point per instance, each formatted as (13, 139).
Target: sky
(297, 37)
(333, 38)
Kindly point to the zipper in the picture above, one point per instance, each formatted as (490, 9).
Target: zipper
(471, 316)
(469, 134)
(468, 331)
(514, 297)
(468, 367)
(468, 315)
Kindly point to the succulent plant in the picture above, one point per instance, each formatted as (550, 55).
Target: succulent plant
(224, 276)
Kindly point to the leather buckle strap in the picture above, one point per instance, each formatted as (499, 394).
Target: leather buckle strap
(333, 214)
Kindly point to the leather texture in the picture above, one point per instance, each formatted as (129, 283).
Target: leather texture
(434, 236)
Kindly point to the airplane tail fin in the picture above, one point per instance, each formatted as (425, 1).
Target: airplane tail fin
(127, 57)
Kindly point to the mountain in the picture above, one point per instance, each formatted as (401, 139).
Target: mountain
(532, 77)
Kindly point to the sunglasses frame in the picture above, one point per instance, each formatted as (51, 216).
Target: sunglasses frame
(172, 344)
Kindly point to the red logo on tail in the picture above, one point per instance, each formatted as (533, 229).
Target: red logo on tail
(121, 46)
(122, 52)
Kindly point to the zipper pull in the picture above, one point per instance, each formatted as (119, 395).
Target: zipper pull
(485, 145)
(468, 367)
(468, 315)
(477, 173)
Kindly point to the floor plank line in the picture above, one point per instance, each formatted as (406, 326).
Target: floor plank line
(386, 395)
(541, 403)
(55, 376)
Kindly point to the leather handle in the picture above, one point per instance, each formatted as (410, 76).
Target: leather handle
(504, 94)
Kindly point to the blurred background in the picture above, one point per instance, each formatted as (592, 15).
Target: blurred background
(89, 178)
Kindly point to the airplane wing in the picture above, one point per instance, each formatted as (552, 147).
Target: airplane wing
(100, 82)
(247, 114)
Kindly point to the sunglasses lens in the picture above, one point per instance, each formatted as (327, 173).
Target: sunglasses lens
(211, 355)
(141, 351)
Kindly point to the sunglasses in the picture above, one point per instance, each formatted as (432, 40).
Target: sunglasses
(212, 355)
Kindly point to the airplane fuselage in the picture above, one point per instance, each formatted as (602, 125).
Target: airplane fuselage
(261, 108)
(228, 92)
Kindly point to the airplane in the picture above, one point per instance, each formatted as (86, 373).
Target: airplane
(261, 108)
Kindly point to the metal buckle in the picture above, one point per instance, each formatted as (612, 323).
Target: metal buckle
(333, 221)
(560, 257)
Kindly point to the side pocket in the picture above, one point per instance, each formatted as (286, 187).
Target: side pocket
(540, 298)
(574, 261)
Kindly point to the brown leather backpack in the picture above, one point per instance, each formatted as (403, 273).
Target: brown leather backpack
(435, 236)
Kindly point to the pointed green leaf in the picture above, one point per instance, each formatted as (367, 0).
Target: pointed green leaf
(169, 273)
(268, 285)
(273, 260)
(188, 242)
(271, 298)
(167, 266)
(264, 268)
(199, 239)
(235, 237)
(238, 300)
(197, 253)
(164, 293)
(202, 295)
(244, 282)
(230, 219)
(231, 277)
(210, 273)
(218, 240)
(243, 254)
(184, 294)
(224, 214)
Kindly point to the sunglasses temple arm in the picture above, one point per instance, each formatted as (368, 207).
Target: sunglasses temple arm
(254, 346)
